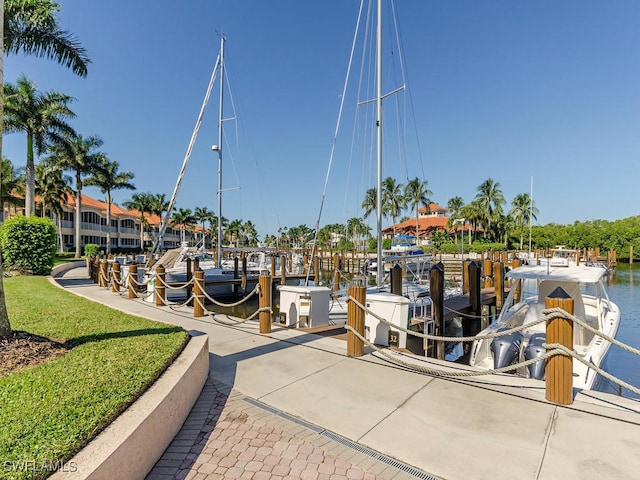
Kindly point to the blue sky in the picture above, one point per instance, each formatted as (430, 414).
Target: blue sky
(502, 90)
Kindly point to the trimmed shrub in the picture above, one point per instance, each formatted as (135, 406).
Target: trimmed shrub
(91, 249)
(28, 245)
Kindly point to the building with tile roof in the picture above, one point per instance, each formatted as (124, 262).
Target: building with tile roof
(430, 219)
(125, 234)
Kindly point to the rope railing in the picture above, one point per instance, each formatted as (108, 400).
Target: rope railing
(255, 291)
(168, 303)
(556, 349)
(173, 286)
(443, 338)
(231, 323)
(463, 314)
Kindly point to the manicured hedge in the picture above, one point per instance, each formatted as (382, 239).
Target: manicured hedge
(28, 244)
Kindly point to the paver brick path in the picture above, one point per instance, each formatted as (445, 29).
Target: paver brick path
(227, 437)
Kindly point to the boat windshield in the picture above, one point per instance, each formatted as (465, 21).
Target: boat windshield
(203, 257)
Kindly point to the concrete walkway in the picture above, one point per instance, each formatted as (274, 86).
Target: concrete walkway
(293, 405)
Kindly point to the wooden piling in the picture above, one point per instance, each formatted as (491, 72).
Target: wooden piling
(283, 270)
(160, 290)
(355, 319)
(115, 285)
(133, 281)
(264, 301)
(189, 276)
(487, 272)
(498, 283)
(198, 292)
(436, 292)
(104, 274)
(95, 270)
(396, 279)
(559, 368)
(243, 285)
(236, 275)
(473, 324)
(465, 276)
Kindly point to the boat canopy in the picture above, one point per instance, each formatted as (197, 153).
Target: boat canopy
(580, 273)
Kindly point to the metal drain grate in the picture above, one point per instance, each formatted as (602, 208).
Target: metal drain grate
(403, 467)
(282, 414)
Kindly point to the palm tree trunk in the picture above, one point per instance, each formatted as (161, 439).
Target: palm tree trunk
(108, 223)
(78, 223)
(5, 326)
(30, 179)
(142, 233)
(58, 221)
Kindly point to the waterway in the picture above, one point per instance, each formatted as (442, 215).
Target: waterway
(623, 287)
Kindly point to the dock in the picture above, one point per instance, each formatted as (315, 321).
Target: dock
(379, 420)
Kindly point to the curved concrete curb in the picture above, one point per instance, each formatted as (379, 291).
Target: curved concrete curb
(63, 267)
(133, 443)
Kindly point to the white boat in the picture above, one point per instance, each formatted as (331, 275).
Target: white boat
(524, 305)
(405, 252)
(561, 257)
(260, 262)
(174, 262)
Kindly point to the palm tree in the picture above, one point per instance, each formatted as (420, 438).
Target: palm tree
(233, 229)
(142, 203)
(370, 202)
(523, 211)
(250, 233)
(108, 179)
(491, 199)
(357, 230)
(454, 206)
(472, 213)
(79, 155)
(203, 214)
(159, 205)
(393, 199)
(184, 218)
(54, 190)
(31, 27)
(417, 194)
(43, 117)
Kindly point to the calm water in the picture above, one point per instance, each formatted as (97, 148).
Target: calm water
(624, 289)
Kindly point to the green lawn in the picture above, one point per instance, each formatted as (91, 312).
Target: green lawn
(49, 412)
(60, 258)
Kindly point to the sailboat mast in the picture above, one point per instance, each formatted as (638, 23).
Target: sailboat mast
(219, 148)
(380, 269)
(530, 212)
(159, 243)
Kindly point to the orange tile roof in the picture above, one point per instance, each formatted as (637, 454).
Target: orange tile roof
(433, 208)
(425, 224)
(90, 202)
